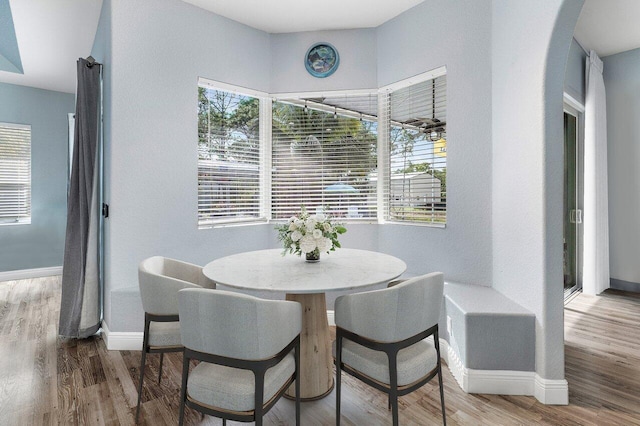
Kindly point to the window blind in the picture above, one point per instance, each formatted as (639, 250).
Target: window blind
(324, 156)
(15, 173)
(415, 187)
(228, 157)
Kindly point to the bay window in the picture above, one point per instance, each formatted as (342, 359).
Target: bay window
(356, 155)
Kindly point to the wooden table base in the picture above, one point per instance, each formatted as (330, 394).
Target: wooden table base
(316, 360)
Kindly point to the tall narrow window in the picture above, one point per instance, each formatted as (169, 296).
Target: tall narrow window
(229, 185)
(416, 186)
(324, 156)
(15, 173)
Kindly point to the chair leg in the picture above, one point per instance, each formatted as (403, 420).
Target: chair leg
(393, 386)
(183, 389)
(145, 341)
(259, 397)
(338, 376)
(142, 364)
(394, 410)
(436, 341)
(297, 359)
(444, 416)
(160, 370)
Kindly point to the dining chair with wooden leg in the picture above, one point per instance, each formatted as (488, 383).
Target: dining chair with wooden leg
(381, 338)
(160, 279)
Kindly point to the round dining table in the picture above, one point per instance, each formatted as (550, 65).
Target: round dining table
(307, 283)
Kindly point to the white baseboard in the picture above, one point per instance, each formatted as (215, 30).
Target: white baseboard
(132, 341)
(551, 392)
(122, 340)
(505, 382)
(500, 382)
(24, 274)
(331, 318)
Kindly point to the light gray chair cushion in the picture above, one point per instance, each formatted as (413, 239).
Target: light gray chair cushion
(414, 362)
(393, 314)
(234, 389)
(164, 334)
(161, 278)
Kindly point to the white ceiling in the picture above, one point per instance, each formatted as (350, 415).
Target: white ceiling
(53, 34)
(289, 16)
(609, 26)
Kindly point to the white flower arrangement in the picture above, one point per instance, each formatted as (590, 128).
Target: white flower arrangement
(309, 234)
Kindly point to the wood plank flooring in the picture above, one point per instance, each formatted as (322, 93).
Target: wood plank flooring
(47, 380)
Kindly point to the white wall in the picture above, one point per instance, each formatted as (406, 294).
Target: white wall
(527, 163)
(622, 83)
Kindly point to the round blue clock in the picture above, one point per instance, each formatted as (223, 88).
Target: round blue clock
(321, 60)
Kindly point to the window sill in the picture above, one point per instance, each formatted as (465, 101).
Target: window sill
(230, 224)
(13, 223)
(422, 225)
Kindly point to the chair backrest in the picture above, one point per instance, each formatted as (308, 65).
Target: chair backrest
(160, 279)
(393, 314)
(237, 325)
(186, 272)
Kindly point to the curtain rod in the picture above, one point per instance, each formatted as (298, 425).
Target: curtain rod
(581, 46)
(92, 61)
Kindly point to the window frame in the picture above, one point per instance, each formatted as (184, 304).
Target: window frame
(289, 96)
(265, 146)
(384, 148)
(264, 139)
(11, 221)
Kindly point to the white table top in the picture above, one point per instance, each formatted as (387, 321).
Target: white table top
(268, 270)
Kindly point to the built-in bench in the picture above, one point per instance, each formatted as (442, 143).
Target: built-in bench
(487, 330)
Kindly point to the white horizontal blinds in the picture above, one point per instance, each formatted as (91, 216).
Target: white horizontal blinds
(228, 157)
(324, 156)
(416, 188)
(15, 173)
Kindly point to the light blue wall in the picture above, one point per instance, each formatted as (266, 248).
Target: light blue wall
(574, 83)
(622, 85)
(458, 36)
(156, 50)
(530, 48)
(159, 48)
(40, 244)
(357, 69)
(151, 151)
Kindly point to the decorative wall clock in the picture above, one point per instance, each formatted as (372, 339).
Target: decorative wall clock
(321, 60)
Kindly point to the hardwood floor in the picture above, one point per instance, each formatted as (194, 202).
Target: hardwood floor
(47, 380)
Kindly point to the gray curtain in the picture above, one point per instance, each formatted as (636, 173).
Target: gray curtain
(80, 308)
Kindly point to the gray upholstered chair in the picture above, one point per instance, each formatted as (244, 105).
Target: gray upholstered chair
(160, 279)
(247, 360)
(380, 338)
